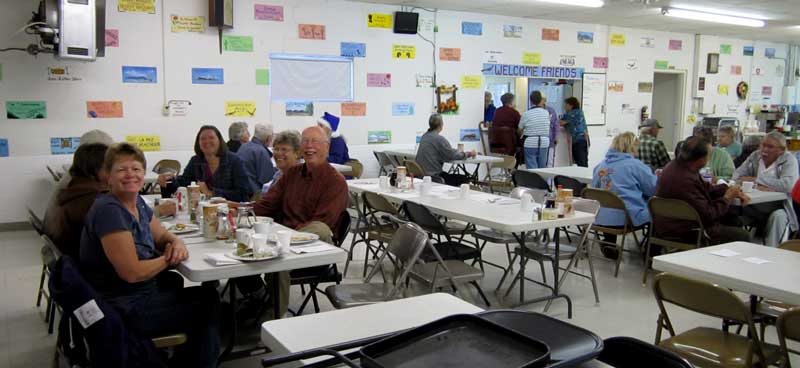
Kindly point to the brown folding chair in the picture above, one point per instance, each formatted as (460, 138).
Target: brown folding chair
(414, 168)
(705, 346)
(501, 181)
(788, 329)
(673, 209)
(356, 167)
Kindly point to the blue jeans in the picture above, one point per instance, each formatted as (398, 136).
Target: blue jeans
(535, 157)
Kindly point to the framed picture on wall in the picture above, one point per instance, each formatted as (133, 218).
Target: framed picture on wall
(712, 66)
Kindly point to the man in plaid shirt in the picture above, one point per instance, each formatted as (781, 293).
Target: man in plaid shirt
(651, 150)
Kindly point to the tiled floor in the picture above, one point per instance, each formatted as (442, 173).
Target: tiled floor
(625, 308)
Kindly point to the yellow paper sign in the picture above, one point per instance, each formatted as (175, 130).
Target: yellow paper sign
(404, 52)
(617, 39)
(145, 142)
(182, 23)
(354, 108)
(375, 20)
(531, 58)
(137, 6)
(243, 109)
(722, 89)
(471, 81)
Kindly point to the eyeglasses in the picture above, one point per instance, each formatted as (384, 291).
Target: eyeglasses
(313, 141)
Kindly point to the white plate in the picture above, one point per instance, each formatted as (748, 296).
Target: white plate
(232, 255)
(188, 229)
(298, 238)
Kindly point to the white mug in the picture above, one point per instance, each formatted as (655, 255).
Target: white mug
(259, 245)
(464, 191)
(747, 186)
(243, 236)
(427, 179)
(263, 227)
(526, 202)
(284, 240)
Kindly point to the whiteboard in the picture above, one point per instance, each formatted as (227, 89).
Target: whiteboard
(311, 78)
(594, 98)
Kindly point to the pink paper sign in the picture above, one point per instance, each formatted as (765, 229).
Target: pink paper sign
(354, 108)
(550, 34)
(766, 91)
(269, 12)
(379, 80)
(311, 31)
(676, 45)
(600, 62)
(112, 37)
(736, 70)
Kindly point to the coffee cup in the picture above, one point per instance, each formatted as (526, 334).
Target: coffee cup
(243, 237)
(384, 183)
(464, 191)
(526, 203)
(259, 245)
(747, 186)
(263, 227)
(284, 240)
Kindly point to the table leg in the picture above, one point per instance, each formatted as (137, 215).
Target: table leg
(555, 295)
(234, 328)
(275, 289)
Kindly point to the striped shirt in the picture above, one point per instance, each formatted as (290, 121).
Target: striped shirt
(535, 125)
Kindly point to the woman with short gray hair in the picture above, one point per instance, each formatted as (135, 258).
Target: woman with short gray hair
(286, 150)
(237, 135)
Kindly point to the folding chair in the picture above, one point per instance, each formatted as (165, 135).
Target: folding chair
(673, 209)
(610, 200)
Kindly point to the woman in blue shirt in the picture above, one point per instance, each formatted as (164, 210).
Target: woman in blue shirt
(124, 254)
(633, 181)
(218, 172)
(575, 123)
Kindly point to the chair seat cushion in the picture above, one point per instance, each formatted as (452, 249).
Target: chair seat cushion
(709, 347)
(451, 250)
(461, 272)
(456, 227)
(354, 295)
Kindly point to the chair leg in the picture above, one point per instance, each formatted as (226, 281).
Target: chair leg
(480, 291)
(594, 279)
(41, 286)
(620, 250)
(52, 320)
(313, 293)
(506, 272)
(366, 259)
(544, 274)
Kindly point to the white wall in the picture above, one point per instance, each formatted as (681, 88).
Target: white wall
(24, 78)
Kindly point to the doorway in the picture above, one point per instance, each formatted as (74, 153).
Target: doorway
(668, 105)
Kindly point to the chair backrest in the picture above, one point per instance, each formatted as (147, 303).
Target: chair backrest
(569, 183)
(55, 175)
(607, 198)
(788, 327)
(701, 297)
(378, 203)
(35, 221)
(675, 209)
(342, 228)
(407, 243)
(167, 166)
(586, 205)
(356, 167)
(627, 352)
(523, 178)
(509, 162)
(414, 168)
(537, 194)
(52, 246)
(423, 217)
(793, 245)
(484, 129)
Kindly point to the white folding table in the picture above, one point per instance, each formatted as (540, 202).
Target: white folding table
(343, 169)
(757, 196)
(581, 174)
(775, 279)
(409, 154)
(488, 210)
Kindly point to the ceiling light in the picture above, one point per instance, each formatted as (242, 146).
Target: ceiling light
(711, 17)
(587, 3)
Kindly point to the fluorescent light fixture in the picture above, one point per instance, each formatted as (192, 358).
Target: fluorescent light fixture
(711, 17)
(587, 3)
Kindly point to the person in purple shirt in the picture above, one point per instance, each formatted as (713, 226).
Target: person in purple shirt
(551, 157)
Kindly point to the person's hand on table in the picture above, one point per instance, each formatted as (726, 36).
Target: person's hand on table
(176, 252)
(204, 189)
(764, 188)
(733, 193)
(167, 208)
(472, 153)
(744, 198)
(164, 179)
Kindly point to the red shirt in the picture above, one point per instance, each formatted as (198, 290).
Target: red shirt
(506, 116)
(301, 196)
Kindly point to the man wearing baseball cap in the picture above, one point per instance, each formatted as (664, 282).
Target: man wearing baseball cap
(651, 150)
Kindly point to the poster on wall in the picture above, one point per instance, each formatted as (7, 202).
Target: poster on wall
(471, 81)
(617, 39)
(376, 20)
(353, 49)
(645, 87)
(472, 28)
(662, 65)
(262, 77)
(675, 45)
(531, 58)
(237, 43)
(632, 64)
(379, 137)
(208, 76)
(64, 145)
(139, 74)
(26, 109)
(147, 143)
(311, 31)
(354, 108)
(769, 52)
(402, 108)
(181, 23)
(3, 147)
(748, 50)
(424, 80)
(112, 38)
(566, 60)
(725, 49)
(179, 107)
(299, 108)
(404, 51)
(766, 91)
(600, 62)
(512, 31)
(379, 80)
(449, 54)
(492, 57)
(722, 89)
(616, 86)
(551, 34)
(268, 12)
(469, 135)
(585, 37)
(136, 6)
(104, 109)
(63, 74)
(240, 109)
(701, 84)
(648, 42)
(736, 70)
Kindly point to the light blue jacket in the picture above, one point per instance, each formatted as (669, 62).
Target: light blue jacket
(631, 180)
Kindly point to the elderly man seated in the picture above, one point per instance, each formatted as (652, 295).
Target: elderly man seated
(308, 197)
(772, 169)
(681, 180)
